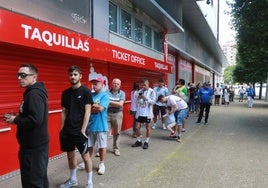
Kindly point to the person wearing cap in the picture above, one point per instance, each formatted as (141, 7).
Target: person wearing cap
(76, 104)
(98, 127)
(180, 108)
(205, 95)
(115, 112)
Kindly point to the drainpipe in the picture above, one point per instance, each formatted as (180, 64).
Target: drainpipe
(266, 94)
(165, 45)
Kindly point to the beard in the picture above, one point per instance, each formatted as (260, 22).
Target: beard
(74, 82)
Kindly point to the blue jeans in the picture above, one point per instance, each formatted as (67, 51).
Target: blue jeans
(180, 116)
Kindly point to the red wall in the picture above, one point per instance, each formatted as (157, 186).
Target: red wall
(53, 72)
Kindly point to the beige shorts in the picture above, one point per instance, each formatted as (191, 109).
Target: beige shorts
(171, 125)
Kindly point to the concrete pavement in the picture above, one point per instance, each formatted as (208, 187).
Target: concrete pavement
(230, 151)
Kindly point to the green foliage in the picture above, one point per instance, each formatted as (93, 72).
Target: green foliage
(228, 74)
(250, 20)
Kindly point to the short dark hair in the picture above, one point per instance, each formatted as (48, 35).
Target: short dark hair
(160, 97)
(31, 67)
(136, 86)
(144, 80)
(74, 68)
(161, 80)
(182, 81)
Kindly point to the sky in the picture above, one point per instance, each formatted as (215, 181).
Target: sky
(225, 33)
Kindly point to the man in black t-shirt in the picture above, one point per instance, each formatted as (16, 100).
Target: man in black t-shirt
(76, 104)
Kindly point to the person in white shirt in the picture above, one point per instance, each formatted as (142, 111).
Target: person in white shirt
(180, 109)
(241, 92)
(217, 92)
(145, 100)
(133, 106)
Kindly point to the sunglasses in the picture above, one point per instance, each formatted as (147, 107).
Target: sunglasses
(23, 75)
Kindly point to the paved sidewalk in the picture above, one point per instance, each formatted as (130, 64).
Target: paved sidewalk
(230, 151)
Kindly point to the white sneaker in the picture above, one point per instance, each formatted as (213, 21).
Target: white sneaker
(81, 166)
(154, 127)
(69, 183)
(97, 154)
(101, 170)
(164, 127)
(117, 152)
(89, 185)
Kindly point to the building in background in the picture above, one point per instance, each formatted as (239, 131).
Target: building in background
(229, 49)
(128, 39)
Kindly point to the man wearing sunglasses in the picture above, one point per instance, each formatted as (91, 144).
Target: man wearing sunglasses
(32, 129)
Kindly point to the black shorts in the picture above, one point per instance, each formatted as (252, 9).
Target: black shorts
(157, 108)
(217, 96)
(68, 142)
(143, 119)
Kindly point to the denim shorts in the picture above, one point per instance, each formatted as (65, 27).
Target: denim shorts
(180, 116)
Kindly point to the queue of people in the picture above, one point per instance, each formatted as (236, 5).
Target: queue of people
(87, 117)
(226, 94)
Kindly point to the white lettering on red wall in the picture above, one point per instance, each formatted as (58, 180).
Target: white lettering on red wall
(160, 66)
(127, 57)
(44, 36)
(54, 39)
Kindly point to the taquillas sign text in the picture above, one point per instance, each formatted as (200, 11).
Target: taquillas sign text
(24, 31)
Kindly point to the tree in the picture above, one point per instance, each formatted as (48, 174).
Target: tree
(250, 21)
(228, 74)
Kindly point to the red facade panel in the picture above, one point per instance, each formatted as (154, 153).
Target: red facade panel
(53, 72)
(53, 61)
